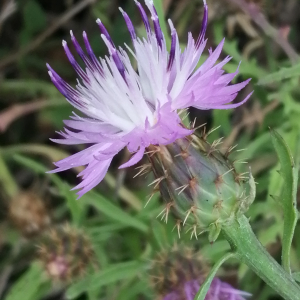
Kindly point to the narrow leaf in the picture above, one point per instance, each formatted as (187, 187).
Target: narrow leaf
(283, 73)
(206, 284)
(27, 286)
(106, 276)
(290, 177)
(296, 276)
(112, 211)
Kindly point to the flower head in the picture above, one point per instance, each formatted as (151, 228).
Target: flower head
(125, 108)
(66, 254)
(177, 274)
(28, 213)
(219, 290)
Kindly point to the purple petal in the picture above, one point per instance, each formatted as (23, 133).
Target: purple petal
(91, 53)
(74, 63)
(173, 47)
(113, 52)
(203, 26)
(134, 159)
(80, 52)
(154, 17)
(228, 106)
(129, 24)
(144, 17)
(96, 174)
(104, 31)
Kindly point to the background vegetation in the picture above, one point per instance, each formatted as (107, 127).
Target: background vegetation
(125, 236)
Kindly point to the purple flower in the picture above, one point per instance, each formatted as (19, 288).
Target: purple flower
(218, 290)
(125, 108)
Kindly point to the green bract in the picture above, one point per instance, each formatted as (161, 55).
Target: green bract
(200, 185)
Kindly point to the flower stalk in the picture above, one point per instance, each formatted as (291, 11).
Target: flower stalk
(251, 252)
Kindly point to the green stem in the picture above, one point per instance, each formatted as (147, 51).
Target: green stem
(250, 251)
(6, 180)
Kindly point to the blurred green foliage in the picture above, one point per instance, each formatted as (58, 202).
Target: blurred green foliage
(125, 234)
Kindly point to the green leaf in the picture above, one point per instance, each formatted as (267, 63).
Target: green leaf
(108, 208)
(32, 88)
(92, 198)
(289, 172)
(104, 277)
(283, 73)
(34, 20)
(34, 17)
(27, 286)
(222, 118)
(206, 284)
(296, 276)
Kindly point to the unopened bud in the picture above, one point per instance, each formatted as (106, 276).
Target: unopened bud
(200, 185)
(28, 213)
(177, 274)
(66, 254)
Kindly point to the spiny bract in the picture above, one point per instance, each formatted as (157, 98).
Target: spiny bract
(200, 184)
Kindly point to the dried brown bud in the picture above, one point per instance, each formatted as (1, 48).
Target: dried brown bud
(66, 254)
(28, 213)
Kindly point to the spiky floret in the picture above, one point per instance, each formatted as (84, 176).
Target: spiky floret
(66, 254)
(202, 184)
(177, 274)
(28, 212)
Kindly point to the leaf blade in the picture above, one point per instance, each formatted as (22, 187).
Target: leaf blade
(106, 276)
(206, 284)
(289, 172)
(283, 73)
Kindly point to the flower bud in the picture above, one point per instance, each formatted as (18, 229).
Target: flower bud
(200, 185)
(66, 254)
(28, 213)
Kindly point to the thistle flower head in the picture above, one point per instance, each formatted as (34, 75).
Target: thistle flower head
(178, 274)
(28, 213)
(201, 185)
(66, 254)
(125, 108)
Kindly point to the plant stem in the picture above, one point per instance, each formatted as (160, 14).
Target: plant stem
(250, 251)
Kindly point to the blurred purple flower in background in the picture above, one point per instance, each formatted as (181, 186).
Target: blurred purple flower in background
(218, 290)
(178, 273)
(125, 108)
